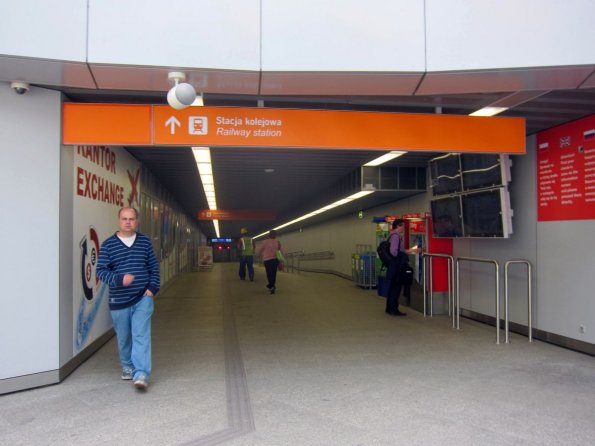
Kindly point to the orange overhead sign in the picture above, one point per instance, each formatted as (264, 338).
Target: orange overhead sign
(106, 124)
(245, 214)
(267, 127)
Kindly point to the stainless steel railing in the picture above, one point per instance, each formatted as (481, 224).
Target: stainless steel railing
(427, 279)
(497, 299)
(293, 259)
(290, 259)
(529, 319)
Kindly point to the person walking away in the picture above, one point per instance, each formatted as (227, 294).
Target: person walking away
(268, 250)
(128, 265)
(397, 267)
(246, 248)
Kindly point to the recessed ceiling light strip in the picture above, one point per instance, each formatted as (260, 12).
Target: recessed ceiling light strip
(330, 206)
(202, 156)
(385, 158)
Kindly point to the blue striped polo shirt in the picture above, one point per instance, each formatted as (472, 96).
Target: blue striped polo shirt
(116, 259)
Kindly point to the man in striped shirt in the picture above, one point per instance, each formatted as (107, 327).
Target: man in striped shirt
(128, 265)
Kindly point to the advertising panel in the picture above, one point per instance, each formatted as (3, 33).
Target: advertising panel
(105, 179)
(205, 257)
(566, 171)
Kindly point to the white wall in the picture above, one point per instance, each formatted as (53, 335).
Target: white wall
(187, 33)
(343, 35)
(49, 30)
(309, 35)
(29, 193)
(484, 34)
(561, 255)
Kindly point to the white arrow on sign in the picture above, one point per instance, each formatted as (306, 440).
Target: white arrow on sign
(172, 122)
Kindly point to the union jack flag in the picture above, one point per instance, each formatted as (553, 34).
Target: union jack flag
(565, 141)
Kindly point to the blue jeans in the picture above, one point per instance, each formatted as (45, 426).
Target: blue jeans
(133, 330)
(247, 261)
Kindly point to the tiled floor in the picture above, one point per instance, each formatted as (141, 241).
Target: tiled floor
(318, 363)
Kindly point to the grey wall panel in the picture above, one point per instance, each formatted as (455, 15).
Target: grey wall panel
(565, 279)
(66, 267)
(30, 194)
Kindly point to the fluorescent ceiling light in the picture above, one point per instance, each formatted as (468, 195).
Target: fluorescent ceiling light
(202, 155)
(207, 179)
(199, 101)
(488, 111)
(385, 158)
(204, 169)
(360, 194)
(333, 205)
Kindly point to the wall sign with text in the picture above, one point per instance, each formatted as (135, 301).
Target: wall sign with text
(566, 171)
(161, 125)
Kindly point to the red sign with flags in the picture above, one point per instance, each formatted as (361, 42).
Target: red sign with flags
(566, 171)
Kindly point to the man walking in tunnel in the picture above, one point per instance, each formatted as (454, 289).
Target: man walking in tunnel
(246, 248)
(128, 265)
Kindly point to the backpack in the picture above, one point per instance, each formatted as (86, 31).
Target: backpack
(384, 254)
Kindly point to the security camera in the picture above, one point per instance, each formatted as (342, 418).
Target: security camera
(20, 87)
(181, 95)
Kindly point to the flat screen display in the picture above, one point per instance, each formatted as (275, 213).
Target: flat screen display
(445, 174)
(480, 171)
(482, 214)
(446, 217)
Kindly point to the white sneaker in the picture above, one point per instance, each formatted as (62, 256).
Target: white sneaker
(127, 373)
(141, 382)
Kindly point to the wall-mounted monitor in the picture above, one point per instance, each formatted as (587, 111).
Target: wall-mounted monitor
(487, 213)
(445, 174)
(446, 217)
(472, 198)
(480, 171)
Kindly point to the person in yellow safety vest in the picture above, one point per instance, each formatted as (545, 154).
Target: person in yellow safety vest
(246, 249)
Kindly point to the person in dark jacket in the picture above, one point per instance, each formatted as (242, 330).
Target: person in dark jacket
(397, 267)
(128, 265)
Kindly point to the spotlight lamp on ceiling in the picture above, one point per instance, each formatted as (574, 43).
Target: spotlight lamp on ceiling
(181, 95)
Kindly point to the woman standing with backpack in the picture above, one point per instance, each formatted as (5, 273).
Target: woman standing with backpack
(396, 268)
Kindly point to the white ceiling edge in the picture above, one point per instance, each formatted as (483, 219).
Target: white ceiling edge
(154, 78)
(146, 78)
(46, 72)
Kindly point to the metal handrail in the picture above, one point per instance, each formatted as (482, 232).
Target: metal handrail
(320, 255)
(529, 319)
(450, 263)
(474, 259)
(290, 259)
